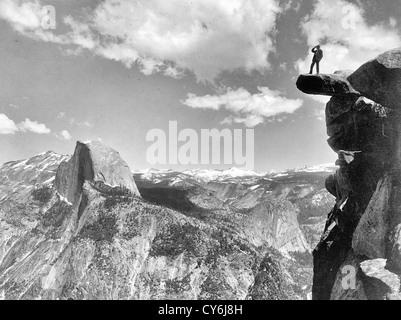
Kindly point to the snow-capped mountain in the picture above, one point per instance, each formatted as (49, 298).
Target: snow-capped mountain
(210, 175)
(22, 176)
(328, 167)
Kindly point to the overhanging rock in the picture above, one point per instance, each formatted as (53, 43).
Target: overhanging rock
(326, 84)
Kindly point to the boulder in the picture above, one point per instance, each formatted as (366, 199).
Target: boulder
(380, 79)
(326, 84)
(378, 280)
(337, 108)
(94, 162)
(358, 124)
(331, 185)
(361, 279)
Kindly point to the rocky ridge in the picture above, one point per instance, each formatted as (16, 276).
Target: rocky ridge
(287, 210)
(77, 228)
(363, 232)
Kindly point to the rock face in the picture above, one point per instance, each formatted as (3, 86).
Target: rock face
(369, 239)
(274, 223)
(359, 254)
(94, 162)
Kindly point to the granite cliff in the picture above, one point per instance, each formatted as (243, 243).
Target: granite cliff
(78, 228)
(359, 255)
(94, 162)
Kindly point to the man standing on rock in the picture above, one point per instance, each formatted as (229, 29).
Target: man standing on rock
(317, 57)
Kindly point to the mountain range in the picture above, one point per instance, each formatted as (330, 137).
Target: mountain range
(86, 227)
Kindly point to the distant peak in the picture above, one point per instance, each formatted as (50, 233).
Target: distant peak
(47, 153)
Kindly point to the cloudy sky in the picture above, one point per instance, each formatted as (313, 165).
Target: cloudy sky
(116, 69)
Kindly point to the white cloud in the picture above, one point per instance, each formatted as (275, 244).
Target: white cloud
(61, 115)
(33, 126)
(7, 126)
(393, 22)
(204, 37)
(174, 73)
(22, 15)
(65, 135)
(347, 39)
(250, 109)
(29, 18)
(72, 120)
(249, 121)
(87, 124)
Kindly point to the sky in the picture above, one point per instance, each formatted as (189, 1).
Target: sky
(117, 69)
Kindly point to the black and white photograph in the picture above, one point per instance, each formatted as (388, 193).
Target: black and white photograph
(202, 155)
